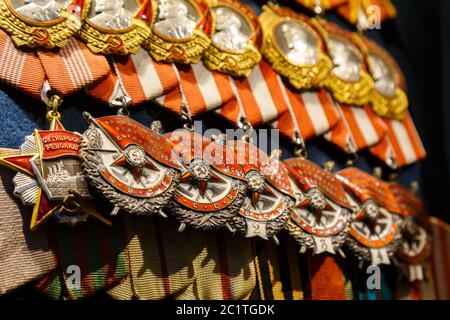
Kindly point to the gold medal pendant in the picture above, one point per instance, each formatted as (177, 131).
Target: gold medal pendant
(388, 97)
(50, 177)
(116, 26)
(294, 47)
(348, 81)
(212, 186)
(234, 37)
(321, 217)
(130, 165)
(269, 199)
(375, 231)
(415, 248)
(179, 31)
(45, 23)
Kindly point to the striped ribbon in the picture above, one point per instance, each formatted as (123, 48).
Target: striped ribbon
(441, 258)
(260, 98)
(329, 279)
(309, 114)
(159, 261)
(359, 129)
(73, 67)
(20, 68)
(24, 256)
(98, 251)
(402, 142)
(223, 267)
(279, 269)
(141, 78)
(200, 89)
(52, 285)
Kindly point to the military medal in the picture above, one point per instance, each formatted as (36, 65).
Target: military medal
(49, 175)
(46, 23)
(415, 247)
(388, 97)
(129, 164)
(294, 47)
(234, 37)
(178, 32)
(116, 26)
(348, 81)
(375, 231)
(321, 217)
(212, 185)
(269, 198)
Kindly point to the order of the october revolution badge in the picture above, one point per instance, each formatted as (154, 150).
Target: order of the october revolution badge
(388, 97)
(116, 26)
(42, 23)
(348, 81)
(415, 248)
(235, 38)
(179, 31)
(321, 217)
(375, 230)
(129, 164)
(212, 184)
(294, 47)
(50, 177)
(269, 198)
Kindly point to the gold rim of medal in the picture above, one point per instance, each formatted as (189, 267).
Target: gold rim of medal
(226, 35)
(229, 38)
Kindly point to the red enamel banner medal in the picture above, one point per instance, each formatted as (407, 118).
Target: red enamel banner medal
(321, 217)
(415, 248)
(375, 231)
(269, 196)
(129, 164)
(212, 186)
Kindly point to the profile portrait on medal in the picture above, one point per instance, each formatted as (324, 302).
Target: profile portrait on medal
(113, 14)
(383, 77)
(176, 19)
(38, 10)
(297, 43)
(346, 59)
(232, 30)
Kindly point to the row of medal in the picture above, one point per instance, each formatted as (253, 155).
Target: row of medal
(213, 183)
(228, 36)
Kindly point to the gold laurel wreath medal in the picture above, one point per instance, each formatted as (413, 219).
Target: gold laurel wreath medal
(179, 31)
(235, 37)
(121, 32)
(34, 26)
(348, 81)
(293, 45)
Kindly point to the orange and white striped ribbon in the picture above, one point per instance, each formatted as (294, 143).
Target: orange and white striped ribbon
(441, 258)
(20, 68)
(360, 128)
(403, 142)
(310, 114)
(139, 76)
(200, 89)
(259, 98)
(73, 67)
